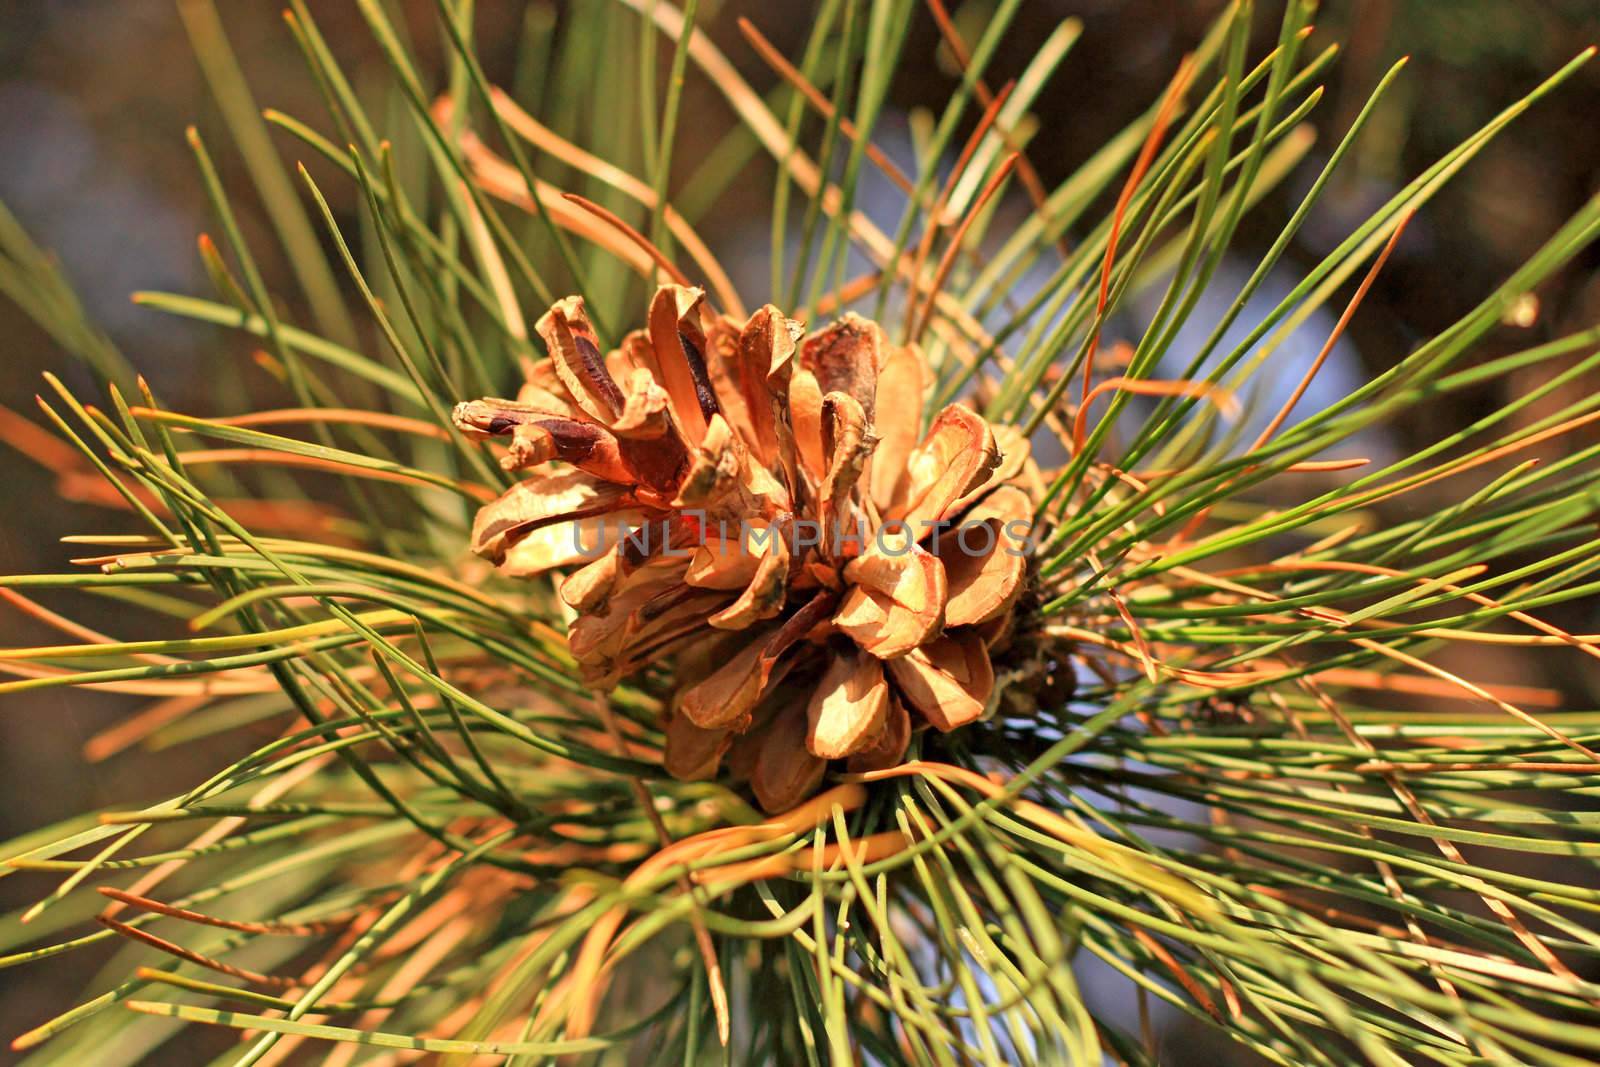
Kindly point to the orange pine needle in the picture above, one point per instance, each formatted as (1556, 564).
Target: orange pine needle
(1451, 469)
(849, 292)
(936, 220)
(130, 731)
(380, 420)
(802, 169)
(1222, 398)
(963, 57)
(1147, 154)
(947, 262)
(633, 235)
(500, 179)
(1196, 991)
(823, 106)
(1334, 335)
(133, 933)
(65, 625)
(37, 443)
(547, 140)
(1288, 407)
(202, 919)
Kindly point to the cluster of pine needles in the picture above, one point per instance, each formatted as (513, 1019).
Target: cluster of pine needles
(1249, 788)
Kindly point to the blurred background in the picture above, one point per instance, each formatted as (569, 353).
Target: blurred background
(95, 96)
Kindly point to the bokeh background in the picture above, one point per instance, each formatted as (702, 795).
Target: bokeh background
(95, 96)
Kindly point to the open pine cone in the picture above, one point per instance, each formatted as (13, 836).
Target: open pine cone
(823, 576)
